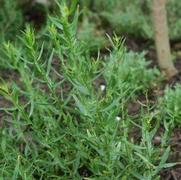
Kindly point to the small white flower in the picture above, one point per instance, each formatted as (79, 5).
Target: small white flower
(103, 87)
(118, 118)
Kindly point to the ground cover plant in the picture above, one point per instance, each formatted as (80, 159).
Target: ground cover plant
(171, 104)
(66, 113)
(9, 19)
(121, 15)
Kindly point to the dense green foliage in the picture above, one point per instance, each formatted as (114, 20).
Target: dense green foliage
(10, 19)
(116, 14)
(170, 105)
(60, 123)
(134, 17)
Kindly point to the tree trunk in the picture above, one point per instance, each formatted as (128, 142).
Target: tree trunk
(162, 39)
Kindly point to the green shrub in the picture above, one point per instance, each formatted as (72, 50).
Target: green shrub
(59, 126)
(174, 16)
(129, 69)
(93, 37)
(11, 19)
(134, 17)
(170, 106)
(128, 17)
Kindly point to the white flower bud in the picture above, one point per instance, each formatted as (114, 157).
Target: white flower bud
(118, 118)
(103, 87)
